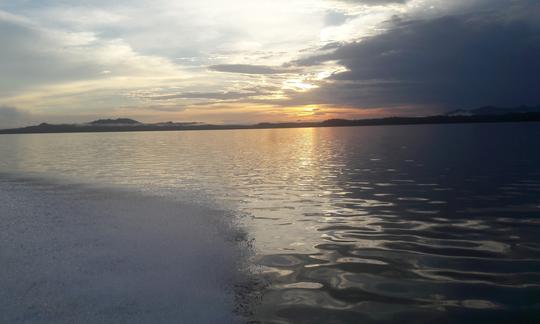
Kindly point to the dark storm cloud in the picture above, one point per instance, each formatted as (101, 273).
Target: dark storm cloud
(491, 56)
(249, 69)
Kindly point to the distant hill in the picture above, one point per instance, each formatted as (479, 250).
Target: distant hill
(114, 122)
(491, 111)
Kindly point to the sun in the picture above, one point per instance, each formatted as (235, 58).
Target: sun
(307, 111)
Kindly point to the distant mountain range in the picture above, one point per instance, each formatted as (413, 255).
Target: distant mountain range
(480, 115)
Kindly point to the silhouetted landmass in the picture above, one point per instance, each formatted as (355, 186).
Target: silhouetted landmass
(130, 125)
(115, 122)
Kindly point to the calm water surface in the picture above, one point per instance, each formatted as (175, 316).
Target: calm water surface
(424, 224)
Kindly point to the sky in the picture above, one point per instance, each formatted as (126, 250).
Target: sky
(248, 61)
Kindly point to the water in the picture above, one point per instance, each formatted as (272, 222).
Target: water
(434, 223)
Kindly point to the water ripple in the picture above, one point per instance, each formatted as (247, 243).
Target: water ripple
(377, 224)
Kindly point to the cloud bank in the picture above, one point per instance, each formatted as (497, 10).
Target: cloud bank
(489, 56)
(249, 69)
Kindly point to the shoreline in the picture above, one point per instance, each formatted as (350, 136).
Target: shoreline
(391, 121)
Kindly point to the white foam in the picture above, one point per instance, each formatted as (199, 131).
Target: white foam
(71, 254)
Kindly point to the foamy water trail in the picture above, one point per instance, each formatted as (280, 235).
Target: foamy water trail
(73, 254)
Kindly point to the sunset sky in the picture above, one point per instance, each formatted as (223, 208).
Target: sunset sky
(246, 61)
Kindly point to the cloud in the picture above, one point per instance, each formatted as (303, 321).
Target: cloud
(376, 2)
(250, 69)
(488, 56)
(64, 73)
(32, 57)
(336, 18)
(98, 56)
(38, 56)
(11, 117)
(206, 95)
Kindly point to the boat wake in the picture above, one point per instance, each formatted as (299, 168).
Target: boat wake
(75, 254)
